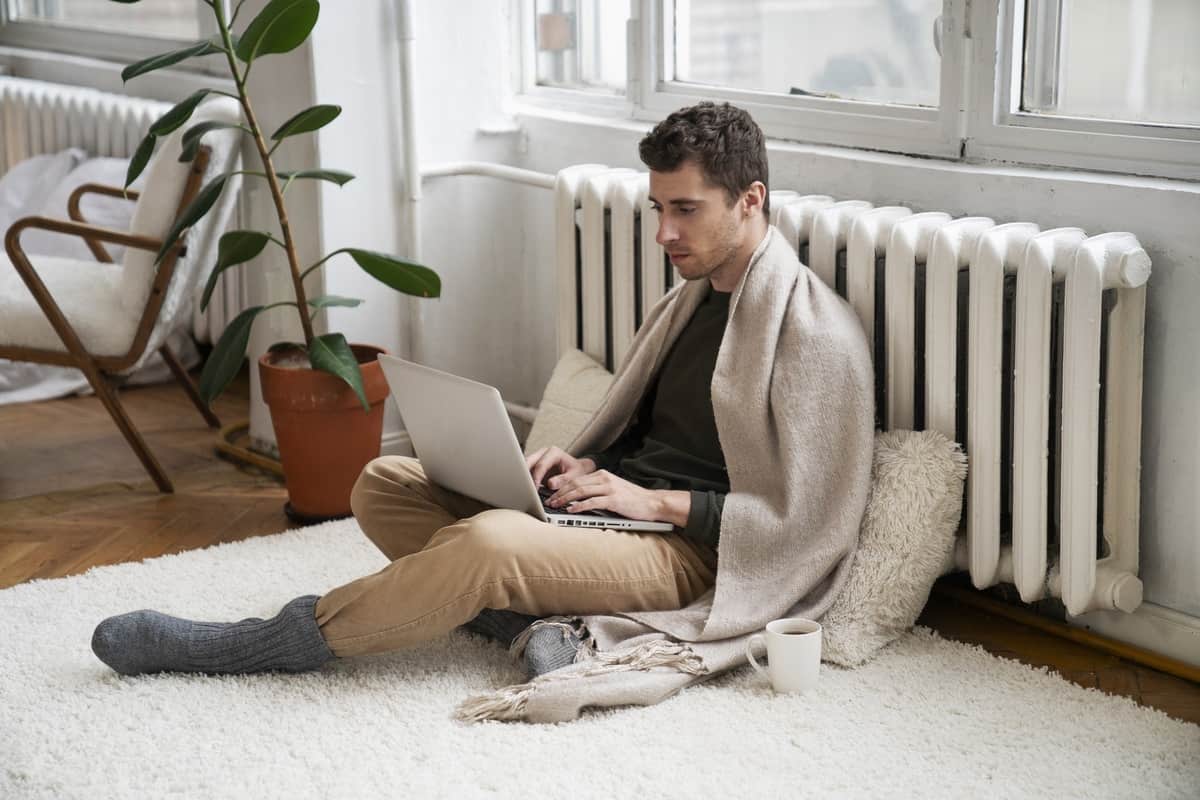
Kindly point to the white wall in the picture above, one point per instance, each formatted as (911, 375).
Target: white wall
(462, 88)
(352, 60)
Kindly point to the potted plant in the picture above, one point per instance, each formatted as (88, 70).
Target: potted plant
(325, 395)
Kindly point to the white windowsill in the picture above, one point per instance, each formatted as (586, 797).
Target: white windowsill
(168, 85)
(526, 112)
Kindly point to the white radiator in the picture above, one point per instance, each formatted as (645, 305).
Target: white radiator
(38, 117)
(1049, 413)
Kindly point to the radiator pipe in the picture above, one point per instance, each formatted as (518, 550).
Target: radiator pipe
(411, 345)
(484, 168)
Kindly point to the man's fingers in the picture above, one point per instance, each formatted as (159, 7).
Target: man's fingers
(591, 504)
(585, 485)
(543, 465)
(566, 476)
(533, 457)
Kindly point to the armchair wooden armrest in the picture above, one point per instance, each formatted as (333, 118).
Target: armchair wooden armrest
(76, 214)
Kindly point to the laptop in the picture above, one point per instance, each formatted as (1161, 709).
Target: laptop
(466, 443)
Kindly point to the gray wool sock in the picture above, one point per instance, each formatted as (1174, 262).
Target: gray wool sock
(549, 648)
(499, 625)
(148, 641)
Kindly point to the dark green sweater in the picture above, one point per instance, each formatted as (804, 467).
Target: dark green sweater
(672, 441)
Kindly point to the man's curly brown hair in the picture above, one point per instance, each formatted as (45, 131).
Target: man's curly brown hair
(723, 140)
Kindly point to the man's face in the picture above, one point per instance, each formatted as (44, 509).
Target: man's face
(696, 225)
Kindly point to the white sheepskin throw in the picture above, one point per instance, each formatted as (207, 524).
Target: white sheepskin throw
(908, 533)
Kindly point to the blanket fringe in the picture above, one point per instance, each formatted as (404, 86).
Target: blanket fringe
(648, 655)
(508, 703)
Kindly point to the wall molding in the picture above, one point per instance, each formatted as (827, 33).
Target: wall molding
(1152, 627)
(396, 443)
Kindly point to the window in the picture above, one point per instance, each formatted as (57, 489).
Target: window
(879, 51)
(166, 19)
(116, 32)
(1111, 85)
(1131, 60)
(1097, 84)
(581, 44)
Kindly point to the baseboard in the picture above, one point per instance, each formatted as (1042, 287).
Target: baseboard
(396, 443)
(1152, 627)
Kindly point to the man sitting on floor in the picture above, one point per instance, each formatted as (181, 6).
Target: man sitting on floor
(456, 562)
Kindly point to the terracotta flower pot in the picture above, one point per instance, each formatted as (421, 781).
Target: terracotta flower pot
(324, 436)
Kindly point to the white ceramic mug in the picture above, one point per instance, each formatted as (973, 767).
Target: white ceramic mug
(793, 654)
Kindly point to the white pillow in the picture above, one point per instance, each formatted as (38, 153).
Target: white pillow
(575, 390)
(25, 187)
(105, 212)
(907, 535)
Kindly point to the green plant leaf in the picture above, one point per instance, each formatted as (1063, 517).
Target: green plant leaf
(195, 210)
(326, 300)
(141, 157)
(331, 353)
(403, 276)
(193, 135)
(331, 175)
(281, 26)
(227, 356)
(308, 120)
(235, 247)
(179, 114)
(161, 60)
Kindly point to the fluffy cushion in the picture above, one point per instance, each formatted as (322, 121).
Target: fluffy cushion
(572, 395)
(907, 536)
(154, 213)
(113, 213)
(89, 294)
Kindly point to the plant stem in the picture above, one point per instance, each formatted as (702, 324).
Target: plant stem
(272, 179)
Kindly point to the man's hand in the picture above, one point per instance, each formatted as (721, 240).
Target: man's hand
(600, 489)
(557, 462)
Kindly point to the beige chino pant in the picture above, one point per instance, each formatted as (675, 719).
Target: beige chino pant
(453, 557)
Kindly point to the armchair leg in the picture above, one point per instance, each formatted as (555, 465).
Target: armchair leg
(185, 381)
(108, 396)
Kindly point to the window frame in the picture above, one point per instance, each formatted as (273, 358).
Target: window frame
(848, 123)
(982, 58)
(1001, 131)
(589, 100)
(123, 48)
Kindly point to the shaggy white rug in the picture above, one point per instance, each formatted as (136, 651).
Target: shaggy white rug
(928, 717)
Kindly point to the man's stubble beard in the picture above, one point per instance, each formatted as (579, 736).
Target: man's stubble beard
(726, 255)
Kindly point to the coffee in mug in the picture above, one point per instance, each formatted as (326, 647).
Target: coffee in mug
(793, 654)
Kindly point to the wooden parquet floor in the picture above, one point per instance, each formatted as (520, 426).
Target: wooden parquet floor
(73, 496)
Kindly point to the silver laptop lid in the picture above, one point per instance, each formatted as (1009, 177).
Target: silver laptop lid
(462, 435)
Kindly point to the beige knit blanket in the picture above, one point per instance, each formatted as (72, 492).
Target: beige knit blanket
(793, 399)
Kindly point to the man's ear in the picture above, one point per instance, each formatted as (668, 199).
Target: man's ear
(753, 198)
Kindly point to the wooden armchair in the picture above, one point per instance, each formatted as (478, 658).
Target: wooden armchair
(103, 318)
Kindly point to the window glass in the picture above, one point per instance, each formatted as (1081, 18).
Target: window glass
(168, 19)
(581, 44)
(883, 51)
(1131, 60)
